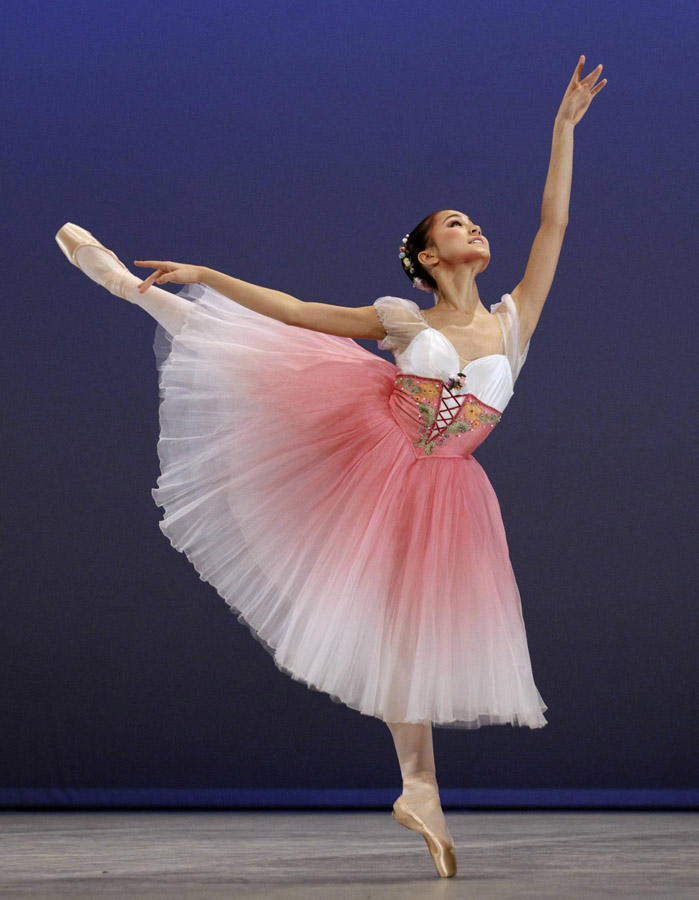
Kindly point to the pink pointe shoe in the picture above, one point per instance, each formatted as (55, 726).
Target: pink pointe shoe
(442, 853)
(70, 238)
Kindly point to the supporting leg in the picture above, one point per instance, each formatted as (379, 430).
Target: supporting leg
(415, 750)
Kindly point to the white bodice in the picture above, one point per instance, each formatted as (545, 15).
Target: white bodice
(419, 349)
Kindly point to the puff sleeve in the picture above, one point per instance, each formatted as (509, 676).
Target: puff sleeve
(507, 309)
(401, 320)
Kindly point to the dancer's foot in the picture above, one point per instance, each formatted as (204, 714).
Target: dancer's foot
(97, 262)
(419, 809)
(421, 793)
(105, 270)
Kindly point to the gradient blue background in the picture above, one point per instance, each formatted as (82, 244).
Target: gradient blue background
(293, 144)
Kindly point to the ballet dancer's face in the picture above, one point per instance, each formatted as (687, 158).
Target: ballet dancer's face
(456, 240)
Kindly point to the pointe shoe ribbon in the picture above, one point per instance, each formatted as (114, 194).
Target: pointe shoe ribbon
(442, 853)
(70, 238)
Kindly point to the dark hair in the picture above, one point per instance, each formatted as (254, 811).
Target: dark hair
(417, 241)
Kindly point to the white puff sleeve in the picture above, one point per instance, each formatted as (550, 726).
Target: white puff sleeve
(401, 320)
(507, 309)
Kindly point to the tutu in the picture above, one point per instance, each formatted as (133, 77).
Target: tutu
(332, 500)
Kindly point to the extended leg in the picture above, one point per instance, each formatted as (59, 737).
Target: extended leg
(166, 308)
(415, 751)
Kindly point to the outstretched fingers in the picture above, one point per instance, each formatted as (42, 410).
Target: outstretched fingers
(588, 79)
(576, 72)
(593, 76)
(150, 263)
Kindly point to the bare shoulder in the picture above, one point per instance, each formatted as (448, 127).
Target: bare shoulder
(360, 322)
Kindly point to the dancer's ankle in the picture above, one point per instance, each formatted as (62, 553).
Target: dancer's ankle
(419, 779)
(102, 267)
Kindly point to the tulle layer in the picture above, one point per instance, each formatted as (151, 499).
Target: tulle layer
(381, 579)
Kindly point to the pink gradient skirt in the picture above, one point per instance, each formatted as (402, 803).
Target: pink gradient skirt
(381, 579)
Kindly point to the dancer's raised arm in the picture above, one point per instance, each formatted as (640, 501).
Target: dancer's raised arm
(354, 322)
(532, 291)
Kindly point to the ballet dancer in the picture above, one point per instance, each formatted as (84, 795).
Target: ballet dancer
(332, 497)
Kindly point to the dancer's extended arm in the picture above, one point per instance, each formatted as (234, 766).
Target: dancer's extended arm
(355, 322)
(532, 291)
(346, 321)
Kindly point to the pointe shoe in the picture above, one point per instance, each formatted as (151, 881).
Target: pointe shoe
(442, 853)
(70, 238)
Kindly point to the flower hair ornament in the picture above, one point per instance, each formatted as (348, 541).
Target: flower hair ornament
(410, 268)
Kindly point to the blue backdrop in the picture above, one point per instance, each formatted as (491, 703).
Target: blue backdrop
(293, 144)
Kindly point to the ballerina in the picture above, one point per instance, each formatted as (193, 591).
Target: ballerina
(332, 498)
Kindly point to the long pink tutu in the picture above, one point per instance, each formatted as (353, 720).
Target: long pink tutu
(381, 579)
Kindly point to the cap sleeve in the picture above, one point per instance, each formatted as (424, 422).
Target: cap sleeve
(401, 320)
(506, 308)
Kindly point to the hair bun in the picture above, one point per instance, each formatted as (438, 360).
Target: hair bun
(413, 242)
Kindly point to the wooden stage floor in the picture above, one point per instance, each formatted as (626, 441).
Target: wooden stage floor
(353, 855)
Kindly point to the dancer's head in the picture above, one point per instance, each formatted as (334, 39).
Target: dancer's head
(442, 243)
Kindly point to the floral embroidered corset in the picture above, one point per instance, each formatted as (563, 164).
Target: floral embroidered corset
(441, 413)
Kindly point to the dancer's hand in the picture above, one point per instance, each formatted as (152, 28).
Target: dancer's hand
(579, 94)
(179, 273)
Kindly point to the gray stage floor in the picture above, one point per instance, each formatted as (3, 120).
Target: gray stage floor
(349, 855)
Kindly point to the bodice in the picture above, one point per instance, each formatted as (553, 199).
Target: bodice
(447, 409)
